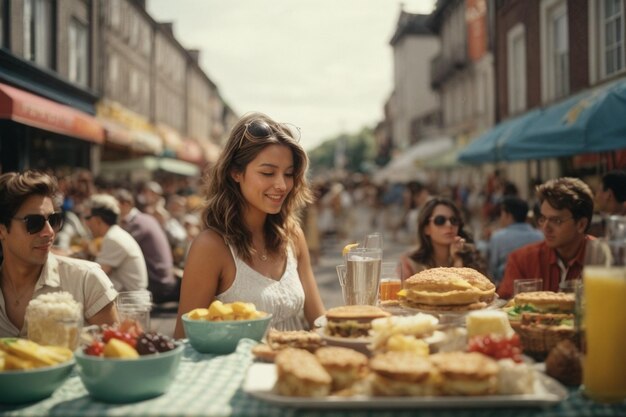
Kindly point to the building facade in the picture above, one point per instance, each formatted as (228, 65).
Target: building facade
(48, 84)
(90, 81)
(415, 111)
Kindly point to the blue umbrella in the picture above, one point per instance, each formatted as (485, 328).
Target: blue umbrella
(489, 147)
(591, 121)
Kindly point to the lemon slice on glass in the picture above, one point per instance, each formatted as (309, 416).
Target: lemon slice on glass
(347, 248)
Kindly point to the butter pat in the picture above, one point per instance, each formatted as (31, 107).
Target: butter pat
(484, 322)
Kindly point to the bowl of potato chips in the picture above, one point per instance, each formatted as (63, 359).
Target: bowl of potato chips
(219, 328)
(31, 372)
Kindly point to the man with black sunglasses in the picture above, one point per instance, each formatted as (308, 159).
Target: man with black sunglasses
(28, 225)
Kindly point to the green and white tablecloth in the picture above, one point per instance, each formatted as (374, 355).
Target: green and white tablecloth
(210, 385)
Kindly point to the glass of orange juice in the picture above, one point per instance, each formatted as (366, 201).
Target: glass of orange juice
(604, 321)
(390, 282)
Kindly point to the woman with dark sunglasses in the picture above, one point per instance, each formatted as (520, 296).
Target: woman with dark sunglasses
(28, 225)
(252, 248)
(442, 242)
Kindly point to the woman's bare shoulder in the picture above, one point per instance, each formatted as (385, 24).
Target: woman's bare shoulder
(210, 240)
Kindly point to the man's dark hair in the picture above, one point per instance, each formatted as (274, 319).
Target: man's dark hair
(17, 187)
(616, 182)
(107, 216)
(516, 206)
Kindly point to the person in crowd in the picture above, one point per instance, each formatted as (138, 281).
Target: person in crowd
(611, 198)
(120, 256)
(28, 225)
(442, 242)
(566, 207)
(514, 233)
(149, 234)
(252, 248)
(418, 196)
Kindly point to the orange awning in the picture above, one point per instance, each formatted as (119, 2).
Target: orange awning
(191, 152)
(32, 110)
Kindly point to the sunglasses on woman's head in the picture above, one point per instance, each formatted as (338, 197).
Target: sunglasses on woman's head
(36, 222)
(441, 220)
(259, 129)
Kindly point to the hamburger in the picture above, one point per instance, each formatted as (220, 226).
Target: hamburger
(299, 374)
(542, 319)
(464, 373)
(352, 321)
(345, 366)
(279, 340)
(447, 289)
(402, 374)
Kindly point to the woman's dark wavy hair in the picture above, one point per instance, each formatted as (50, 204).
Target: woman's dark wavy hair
(224, 203)
(424, 254)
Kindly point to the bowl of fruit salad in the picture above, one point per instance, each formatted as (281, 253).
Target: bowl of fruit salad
(122, 365)
(219, 328)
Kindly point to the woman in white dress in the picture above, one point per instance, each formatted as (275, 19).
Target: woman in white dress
(252, 248)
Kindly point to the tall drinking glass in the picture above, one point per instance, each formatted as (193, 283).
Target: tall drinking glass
(604, 320)
(362, 276)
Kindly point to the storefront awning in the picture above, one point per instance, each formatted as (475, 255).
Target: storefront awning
(191, 151)
(32, 110)
(115, 133)
(146, 142)
(406, 166)
(590, 121)
(151, 164)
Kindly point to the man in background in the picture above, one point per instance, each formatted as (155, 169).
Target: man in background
(611, 198)
(566, 208)
(120, 256)
(514, 233)
(156, 249)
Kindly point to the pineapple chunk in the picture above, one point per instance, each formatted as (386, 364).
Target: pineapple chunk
(199, 314)
(116, 348)
(219, 310)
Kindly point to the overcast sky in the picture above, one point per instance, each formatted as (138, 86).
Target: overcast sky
(323, 65)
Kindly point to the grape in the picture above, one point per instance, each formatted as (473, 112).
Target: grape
(152, 342)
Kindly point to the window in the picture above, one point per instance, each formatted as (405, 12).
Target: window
(611, 36)
(38, 32)
(78, 53)
(516, 68)
(555, 49)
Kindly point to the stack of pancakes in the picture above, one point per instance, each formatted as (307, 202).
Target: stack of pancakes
(448, 289)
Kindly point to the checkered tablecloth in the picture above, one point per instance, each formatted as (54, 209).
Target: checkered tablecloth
(210, 385)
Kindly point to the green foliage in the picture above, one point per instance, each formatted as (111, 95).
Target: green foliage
(360, 152)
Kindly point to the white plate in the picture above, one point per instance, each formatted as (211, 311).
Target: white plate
(261, 378)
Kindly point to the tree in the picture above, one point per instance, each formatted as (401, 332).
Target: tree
(359, 153)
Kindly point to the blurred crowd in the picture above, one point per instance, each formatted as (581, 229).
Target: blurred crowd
(352, 207)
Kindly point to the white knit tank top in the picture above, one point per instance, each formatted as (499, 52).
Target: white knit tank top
(283, 298)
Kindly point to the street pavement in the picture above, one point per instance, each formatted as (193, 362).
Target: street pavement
(324, 271)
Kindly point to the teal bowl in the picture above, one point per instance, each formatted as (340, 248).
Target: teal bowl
(222, 336)
(18, 387)
(114, 380)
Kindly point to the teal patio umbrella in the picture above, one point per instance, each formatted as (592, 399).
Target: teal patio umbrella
(489, 147)
(591, 121)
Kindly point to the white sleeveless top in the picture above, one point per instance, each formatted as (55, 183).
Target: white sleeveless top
(283, 298)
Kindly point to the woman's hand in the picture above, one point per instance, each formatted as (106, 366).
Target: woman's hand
(456, 249)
